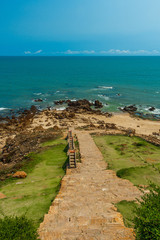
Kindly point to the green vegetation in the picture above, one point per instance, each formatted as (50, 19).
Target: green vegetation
(131, 157)
(138, 161)
(53, 142)
(17, 228)
(147, 220)
(33, 195)
(127, 209)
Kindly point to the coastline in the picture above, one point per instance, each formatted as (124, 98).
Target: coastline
(82, 117)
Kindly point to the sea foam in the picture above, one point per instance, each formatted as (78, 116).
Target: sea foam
(105, 87)
(1, 109)
(104, 97)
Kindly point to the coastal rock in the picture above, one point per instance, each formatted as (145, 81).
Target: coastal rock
(130, 109)
(33, 109)
(79, 103)
(38, 100)
(20, 174)
(98, 104)
(79, 106)
(22, 144)
(130, 131)
(110, 126)
(151, 109)
(60, 102)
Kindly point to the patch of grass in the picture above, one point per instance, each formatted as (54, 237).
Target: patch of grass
(127, 209)
(140, 175)
(131, 157)
(33, 195)
(53, 142)
(17, 228)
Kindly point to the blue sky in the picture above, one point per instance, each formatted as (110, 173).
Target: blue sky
(79, 27)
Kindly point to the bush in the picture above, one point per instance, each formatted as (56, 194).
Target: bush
(17, 228)
(147, 221)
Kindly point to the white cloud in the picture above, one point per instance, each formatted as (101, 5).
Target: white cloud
(71, 52)
(88, 52)
(37, 52)
(116, 52)
(146, 52)
(77, 52)
(27, 52)
(141, 52)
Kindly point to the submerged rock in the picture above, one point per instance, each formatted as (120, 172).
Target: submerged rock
(38, 100)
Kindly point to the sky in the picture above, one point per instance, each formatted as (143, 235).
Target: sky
(79, 27)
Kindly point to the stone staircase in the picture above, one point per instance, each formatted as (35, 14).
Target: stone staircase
(71, 150)
(84, 208)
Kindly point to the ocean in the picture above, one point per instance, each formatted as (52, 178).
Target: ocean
(115, 81)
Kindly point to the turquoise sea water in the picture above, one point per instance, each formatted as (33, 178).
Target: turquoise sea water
(118, 81)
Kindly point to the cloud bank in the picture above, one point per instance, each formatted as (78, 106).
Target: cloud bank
(130, 53)
(29, 52)
(110, 52)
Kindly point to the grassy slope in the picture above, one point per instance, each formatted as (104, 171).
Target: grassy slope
(131, 157)
(126, 208)
(34, 194)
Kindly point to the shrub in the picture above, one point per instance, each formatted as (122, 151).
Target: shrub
(147, 221)
(17, 228)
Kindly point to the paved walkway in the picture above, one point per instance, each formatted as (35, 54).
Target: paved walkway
(84, 208)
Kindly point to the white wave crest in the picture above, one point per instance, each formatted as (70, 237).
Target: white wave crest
(60, 109)
(104, 97)
(37, 94)
(156, 111)
(1, 109)
(105, 87)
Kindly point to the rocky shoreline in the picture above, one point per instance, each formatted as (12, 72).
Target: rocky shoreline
(23, 133)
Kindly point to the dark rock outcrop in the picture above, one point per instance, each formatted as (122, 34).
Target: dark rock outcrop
(98, 104)
(130, 109)
(16, 149)
(38, 100)
(151, 109)
(60, 102)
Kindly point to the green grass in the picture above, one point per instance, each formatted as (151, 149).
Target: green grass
(131, 157)
(52, 142)
(33, 195)
(127, 208)
(134, 159)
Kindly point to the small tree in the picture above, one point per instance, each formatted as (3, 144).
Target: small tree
(17, 228)
(147, 221)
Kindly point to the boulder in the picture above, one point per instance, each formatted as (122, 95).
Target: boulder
(38, 100)
(20, 174)
(110, 126)
(151, 109)
(98, 104)
(131, 108)
(60, 102)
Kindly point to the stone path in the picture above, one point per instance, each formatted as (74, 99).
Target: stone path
(84, 208)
